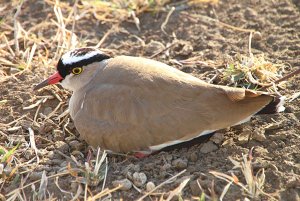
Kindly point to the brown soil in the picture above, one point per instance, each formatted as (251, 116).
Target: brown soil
(275, 138)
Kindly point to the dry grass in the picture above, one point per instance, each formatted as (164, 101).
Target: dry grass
(254, 183)
(252, 72)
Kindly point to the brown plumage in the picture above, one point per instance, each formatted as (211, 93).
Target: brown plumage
(131, 104)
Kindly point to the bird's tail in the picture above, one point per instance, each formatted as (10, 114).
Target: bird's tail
(276, 105)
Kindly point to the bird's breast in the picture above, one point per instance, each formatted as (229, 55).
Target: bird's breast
(76, 103)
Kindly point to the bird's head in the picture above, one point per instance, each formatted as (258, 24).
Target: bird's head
(75, 68)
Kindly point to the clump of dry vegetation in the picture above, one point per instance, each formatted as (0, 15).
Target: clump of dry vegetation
(254, 182)
(252, 72)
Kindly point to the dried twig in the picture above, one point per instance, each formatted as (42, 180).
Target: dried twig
(37, 181)
(286, 77)
(178, 190)
(165, 49)
(17, 28)
(32, 143)
(160, 185)
(163, 25)
(219, 22)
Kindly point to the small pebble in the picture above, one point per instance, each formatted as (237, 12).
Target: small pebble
(250, 14)
(14, 70)
(36, 175)
(227, 143)
(50, 155)
(244, 136)
(194, 157)
(136, 168)
(208, 147)
(139, 179)
(180, 164)
(125, 183)
(7, 170)
(257, 36)
(195, 189)
(76, 145)
(150, 186)
(259, 135)
(217, 138)
(261, 151)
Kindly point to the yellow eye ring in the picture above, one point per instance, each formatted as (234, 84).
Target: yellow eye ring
(77, 70)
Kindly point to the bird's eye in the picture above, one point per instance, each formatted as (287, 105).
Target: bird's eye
(77, 70)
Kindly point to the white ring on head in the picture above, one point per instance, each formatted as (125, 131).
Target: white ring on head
(70, 58)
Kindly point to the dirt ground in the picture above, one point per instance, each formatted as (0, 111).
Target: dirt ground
(198, 34)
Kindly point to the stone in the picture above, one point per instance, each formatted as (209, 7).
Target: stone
(257, 36)
(195, 189)
(150, 186)
(36, 175)
(259, 135)
(261, 151)
(76, 145)
(244, 136)
(250, 14)
(217, 138)
(14, 70)
(131, 168)
(227, 143)
(194, 157)
(125, 184)
(208, 147)
(180, 164)
(139, 179)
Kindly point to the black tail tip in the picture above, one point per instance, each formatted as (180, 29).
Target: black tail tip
(275, 106)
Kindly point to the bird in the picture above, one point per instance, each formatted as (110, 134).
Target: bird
(128, 104)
